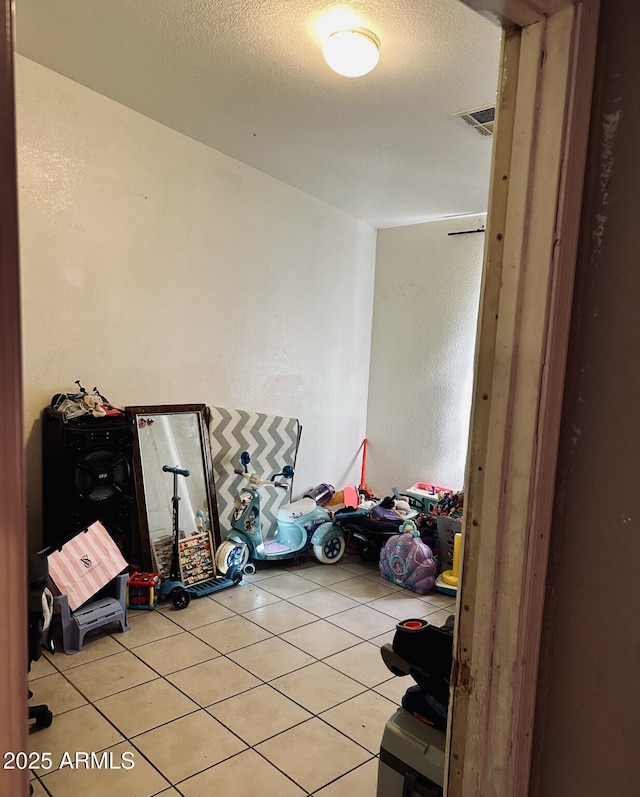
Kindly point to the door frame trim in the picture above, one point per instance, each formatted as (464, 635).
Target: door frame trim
(539, 156)
(13, 524)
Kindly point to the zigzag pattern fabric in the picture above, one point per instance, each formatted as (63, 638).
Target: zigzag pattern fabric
(271, 440)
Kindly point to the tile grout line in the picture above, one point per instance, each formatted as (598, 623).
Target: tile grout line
(365, 688)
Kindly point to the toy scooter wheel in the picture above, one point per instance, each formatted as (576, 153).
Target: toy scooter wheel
(229, 554)
(249, 569)
(180, 598)
(331, 551)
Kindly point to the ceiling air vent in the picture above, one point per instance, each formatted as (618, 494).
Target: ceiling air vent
(481, 120)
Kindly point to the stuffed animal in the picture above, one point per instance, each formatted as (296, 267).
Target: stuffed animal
(93, 403)
(396, 503)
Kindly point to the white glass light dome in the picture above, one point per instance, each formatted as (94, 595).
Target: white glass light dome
(352, 53)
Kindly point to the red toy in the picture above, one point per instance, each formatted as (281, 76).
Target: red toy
(143, 590)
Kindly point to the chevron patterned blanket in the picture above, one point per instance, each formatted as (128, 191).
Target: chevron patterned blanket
(271, 440)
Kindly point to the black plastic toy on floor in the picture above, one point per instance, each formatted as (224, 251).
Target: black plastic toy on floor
(412, 759)
(369, 528)
(425, 652)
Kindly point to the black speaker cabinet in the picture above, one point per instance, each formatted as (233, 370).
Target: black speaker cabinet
(87, 470)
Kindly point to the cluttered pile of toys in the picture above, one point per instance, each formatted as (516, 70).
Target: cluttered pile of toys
(415, 537)
(412, 535)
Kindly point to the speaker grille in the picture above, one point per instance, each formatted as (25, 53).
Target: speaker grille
(101, 475)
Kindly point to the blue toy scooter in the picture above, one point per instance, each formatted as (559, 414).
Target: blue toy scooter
(173, 587)
(302, 526)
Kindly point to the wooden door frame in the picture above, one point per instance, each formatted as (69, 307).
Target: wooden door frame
(543, 111)
(13, 529)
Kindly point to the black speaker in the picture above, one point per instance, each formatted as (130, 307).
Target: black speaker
(87, 475)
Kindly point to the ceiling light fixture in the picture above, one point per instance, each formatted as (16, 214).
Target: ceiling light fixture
(353, 52)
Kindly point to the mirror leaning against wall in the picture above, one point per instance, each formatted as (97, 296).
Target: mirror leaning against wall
(173, 435)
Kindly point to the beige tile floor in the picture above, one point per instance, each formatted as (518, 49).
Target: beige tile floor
(272, 688)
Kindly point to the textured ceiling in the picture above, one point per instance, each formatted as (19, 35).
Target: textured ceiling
(247, 77)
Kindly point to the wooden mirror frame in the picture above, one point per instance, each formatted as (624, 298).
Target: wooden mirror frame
(172, 409)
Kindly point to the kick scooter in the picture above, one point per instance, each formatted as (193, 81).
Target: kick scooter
(183, 582)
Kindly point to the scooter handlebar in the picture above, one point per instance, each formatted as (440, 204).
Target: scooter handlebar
(255, 481)
(179, 471)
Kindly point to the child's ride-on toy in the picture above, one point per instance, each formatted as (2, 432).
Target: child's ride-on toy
(370, 528)
(179, 587)
(302, 525)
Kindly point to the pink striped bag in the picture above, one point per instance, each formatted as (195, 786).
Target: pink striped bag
(85, 564)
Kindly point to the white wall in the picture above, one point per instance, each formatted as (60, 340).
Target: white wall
(427, 289)
(165, 272)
